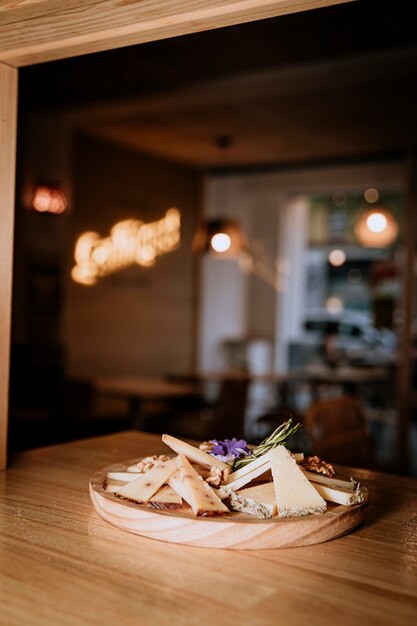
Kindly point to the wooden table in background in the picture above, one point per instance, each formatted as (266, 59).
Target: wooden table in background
(351, 380)
(139, 389)
(61, 564)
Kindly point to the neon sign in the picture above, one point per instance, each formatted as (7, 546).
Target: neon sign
(131, 242)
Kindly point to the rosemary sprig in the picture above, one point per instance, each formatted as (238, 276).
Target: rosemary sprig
(279, 436)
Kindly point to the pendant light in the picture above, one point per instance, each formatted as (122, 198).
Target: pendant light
(221, 236)
(376, 228)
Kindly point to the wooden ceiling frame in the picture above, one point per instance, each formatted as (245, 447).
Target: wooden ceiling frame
(33, 32)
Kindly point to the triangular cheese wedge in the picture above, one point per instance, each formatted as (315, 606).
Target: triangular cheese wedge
(263, 494)
(146, 485)
(294, 494)
(192, 488)
(258, 501)
(166, 499)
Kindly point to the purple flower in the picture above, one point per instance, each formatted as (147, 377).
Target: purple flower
(229, 449)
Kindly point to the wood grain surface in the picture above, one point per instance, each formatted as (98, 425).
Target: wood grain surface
(8, 129)
(34, 31)
(61, 564)
(233, 531)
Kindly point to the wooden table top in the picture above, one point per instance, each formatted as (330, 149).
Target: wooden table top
(146, 387)
(313, 373)
(62, 564)
(346, 374)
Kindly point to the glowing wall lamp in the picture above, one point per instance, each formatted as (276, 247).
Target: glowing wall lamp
(376, 228)
(49, 200)
(131, 242)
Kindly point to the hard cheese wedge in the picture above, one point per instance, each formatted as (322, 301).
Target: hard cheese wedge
(165, 499)
(192, 488)
(146, 485)
(258, 501)
(263, 494)
(340, 495)
(294, 494)
(199, 457)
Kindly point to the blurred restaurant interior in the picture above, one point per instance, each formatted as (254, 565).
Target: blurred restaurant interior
(217, 232)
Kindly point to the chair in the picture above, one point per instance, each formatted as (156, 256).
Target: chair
(224, 418)
(338, 432)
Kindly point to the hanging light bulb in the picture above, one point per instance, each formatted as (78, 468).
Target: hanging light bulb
(376, 228)
(220, 237)
(221, 242)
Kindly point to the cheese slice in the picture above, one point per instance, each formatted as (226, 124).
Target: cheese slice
(249, 467)
(111, 486)
(258, 501)
(295, 496)
(166, 498)
(330, 482)
(298, 456)
(146, 485)
(192, 488)
(339, 495)
(264, 494)
(248, 477)
(199, 457)
(253, 465)
(124, 477)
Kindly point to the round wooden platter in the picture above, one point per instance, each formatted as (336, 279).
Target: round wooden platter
(236, 531)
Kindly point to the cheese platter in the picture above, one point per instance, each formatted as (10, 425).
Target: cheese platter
(230, 495)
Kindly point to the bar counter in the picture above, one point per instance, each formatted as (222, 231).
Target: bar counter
(62, 564)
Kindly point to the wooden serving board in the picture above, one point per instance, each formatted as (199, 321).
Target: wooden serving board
(236, 531)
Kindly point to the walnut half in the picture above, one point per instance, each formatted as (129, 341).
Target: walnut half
(206, 446)
(316, 465)
(218, 476)
(149, 462)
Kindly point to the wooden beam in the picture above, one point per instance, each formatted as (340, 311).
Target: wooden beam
(44, 30)
(406, 394)
(8, 129)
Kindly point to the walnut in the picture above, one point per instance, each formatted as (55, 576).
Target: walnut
(148, 462)
(206, 446)
(316, 465)
(218, 476)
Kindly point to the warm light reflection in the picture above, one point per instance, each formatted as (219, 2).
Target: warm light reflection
(376, 228)
(221, 242)
(130, 242)
(337, 257)
(377, 222)
(49, 200)
(371, 195)
(334, 305)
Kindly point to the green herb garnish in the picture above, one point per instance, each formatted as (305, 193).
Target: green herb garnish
(278, 437)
